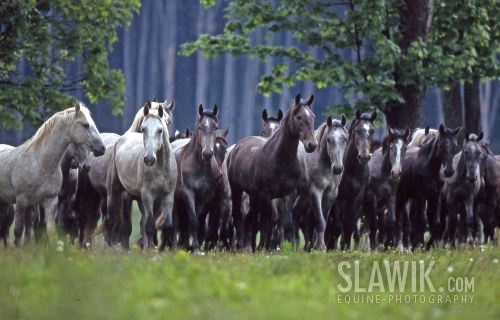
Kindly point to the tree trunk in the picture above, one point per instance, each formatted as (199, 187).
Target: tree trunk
(452, 106)
(415, 17)
(472, 106)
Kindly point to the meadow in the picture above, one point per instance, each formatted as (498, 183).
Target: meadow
(64, 282)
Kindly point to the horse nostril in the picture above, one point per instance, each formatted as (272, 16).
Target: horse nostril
(311, 146)
(395, 173)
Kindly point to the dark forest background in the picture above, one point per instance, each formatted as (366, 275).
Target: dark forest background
(147, 54)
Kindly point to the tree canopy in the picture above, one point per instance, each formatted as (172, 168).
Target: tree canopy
(47, 35)
(385, 53)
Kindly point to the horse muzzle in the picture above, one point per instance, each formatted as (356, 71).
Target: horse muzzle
(99, 151)
(337, 169)
(149, 160)
(396, 174)
(207, 155)
(449, 172)
(363, 159)
(310, 146)
(471, 179)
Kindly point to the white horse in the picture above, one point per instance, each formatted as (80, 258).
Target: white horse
(322, 171)
(144, 166)
(31, 173)
(99, 167)
(421, 136)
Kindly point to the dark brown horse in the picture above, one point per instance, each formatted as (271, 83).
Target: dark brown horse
(269, 169)
(421, 183)
(344, 211)
(198, 174)
(385, 170)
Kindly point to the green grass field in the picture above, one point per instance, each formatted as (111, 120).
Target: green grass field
(47, 283)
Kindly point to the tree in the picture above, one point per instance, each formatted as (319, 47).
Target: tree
(46, 35)
(398, 49)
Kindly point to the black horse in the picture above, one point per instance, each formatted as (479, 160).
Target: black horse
(421, 183)
(344, 212)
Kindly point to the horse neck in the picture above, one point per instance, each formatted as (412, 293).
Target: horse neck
(49, 151)
(433, 162)
(166, 149)
(351, 162)
(460, 173)
(284, 142)
(193, 148)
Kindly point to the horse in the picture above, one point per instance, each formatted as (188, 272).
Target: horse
(322, 172)
(269, 168)
(31, 173)
(422, 136)
(74, 157)
(462, 188)
(180, 135)
(385, 168)
(144, 166)
(199, 173)
(421, 182)
(93, 180)
(270, 124)
(487, 200)
(344, 211)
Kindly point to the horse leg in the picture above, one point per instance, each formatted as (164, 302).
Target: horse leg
(50, 207)
(168, 230)
(316, 195)
(147, 219)
(299, 210)
(449, 234)
(418, 216)
(433, 207)
(6, 218)
(469, 211)
(236, 195)
(189, 201)
(266, 212)
(126, 227)
(333, 226)
(370, 212)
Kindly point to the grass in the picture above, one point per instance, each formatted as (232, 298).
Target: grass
(67, 283)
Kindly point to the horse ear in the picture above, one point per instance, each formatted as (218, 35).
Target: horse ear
(310, 101)
(358, 114)
(145, 109)
(466, 136)
(389, 130)
(407, 134)
(456, 131)
(441, 129)
(77, 106)
(170, 105)
(426, 130)
(264, 115)
(187, 133)
(160, 112)
(480, 137)
(225, 133)
(215, 110)
(200, 110)
(343, 121)
(374, 116)
(297, 99)
(280, 114)
(176, 132)
(329, 121)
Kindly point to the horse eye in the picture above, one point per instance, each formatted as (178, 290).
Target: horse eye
(299, 117)
(142, 129)
(86, 125)
(160, 130)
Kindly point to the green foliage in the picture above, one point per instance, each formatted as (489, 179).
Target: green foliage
(360, 45)
(46, 35)
(42, 283)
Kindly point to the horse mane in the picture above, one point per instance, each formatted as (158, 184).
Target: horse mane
(139, 116)
(418, 136)
(485, 146)
(48, 125)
